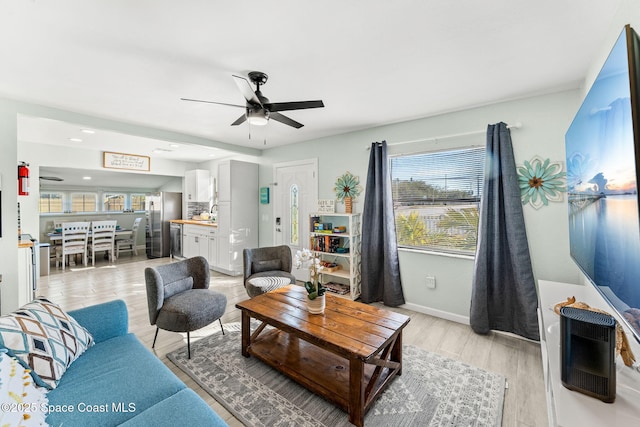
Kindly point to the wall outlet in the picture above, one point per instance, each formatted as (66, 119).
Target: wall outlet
(431, 282)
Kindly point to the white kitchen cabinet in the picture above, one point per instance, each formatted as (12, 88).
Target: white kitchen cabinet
(196, 241)
(25, 275)
(238, 198)
(213, 247)
(196, 185)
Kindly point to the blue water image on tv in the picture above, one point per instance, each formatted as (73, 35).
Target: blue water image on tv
(604, 225)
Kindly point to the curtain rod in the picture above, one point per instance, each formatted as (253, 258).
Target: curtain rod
(517, 125)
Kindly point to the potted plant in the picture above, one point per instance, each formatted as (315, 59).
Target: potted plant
(315, 291)
(347, 188)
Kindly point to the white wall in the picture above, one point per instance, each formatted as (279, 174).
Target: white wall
(544, 119)
(8, 212)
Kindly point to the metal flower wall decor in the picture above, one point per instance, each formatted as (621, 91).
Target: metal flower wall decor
(347, 185)
(541, 181)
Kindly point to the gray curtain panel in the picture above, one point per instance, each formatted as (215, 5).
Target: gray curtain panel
(504, 295)
(380, 266)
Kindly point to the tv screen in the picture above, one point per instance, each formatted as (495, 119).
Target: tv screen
(602, 177)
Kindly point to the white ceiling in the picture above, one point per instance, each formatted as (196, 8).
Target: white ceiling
(372, 62)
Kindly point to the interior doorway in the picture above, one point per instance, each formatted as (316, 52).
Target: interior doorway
(295, 196)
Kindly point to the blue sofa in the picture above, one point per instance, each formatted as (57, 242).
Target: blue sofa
(118, 381)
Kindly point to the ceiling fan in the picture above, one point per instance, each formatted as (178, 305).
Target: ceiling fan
(258, 108)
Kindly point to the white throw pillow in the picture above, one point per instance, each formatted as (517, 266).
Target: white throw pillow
(23, 404)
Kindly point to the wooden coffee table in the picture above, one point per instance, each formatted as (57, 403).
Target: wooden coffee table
(347, 355)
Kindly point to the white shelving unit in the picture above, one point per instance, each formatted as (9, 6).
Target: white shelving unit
(349, 262)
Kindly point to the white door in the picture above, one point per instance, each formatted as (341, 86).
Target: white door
(295, 196)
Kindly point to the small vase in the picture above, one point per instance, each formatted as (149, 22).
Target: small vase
(348, 204)
(316, 306)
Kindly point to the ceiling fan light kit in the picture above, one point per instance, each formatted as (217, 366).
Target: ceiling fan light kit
(258, 108)
(257, 116)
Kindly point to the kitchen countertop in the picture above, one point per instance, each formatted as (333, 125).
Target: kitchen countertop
(25, 241)
(194, 222)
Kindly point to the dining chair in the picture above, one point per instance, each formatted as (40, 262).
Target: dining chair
(128, 244)
(103, 235)
(74, 241)
(56, 245)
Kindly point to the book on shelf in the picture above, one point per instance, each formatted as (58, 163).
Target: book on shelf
(329, 244)
(337, 288)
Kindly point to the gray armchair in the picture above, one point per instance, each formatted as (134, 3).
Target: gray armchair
(272, 264)
(179, 298)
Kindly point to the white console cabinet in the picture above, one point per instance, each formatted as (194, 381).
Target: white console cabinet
(570, 408)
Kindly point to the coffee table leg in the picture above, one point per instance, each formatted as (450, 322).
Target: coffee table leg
(396, 352)
(246, 333)
(356, 392)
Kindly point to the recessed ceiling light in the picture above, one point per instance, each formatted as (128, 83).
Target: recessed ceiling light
(174, 145)
(86, 178)
(75, 140)
(90, 131)
(212, 155)
(161, 150)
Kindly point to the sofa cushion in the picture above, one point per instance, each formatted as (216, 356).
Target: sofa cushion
(266, 265)
(44, 338)
(21, 401)
(173, 412)
(112, 382)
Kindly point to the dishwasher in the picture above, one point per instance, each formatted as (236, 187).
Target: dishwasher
(175, 232)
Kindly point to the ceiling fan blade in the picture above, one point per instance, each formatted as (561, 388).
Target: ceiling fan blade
(284, 119)
(212, 102)
(241, 119)
(246, 90)
(299, 105)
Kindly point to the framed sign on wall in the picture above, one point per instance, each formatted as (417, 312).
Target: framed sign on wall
(126, 161)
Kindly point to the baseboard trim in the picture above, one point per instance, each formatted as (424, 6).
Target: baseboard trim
(437, 313)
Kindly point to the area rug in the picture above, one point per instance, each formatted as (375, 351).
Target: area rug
(432, 391)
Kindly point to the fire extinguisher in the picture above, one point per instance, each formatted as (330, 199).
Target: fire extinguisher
(23, 179)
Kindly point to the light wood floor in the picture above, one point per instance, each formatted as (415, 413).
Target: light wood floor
(518, 360)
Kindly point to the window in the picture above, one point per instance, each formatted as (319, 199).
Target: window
(436, 199)
(137, 202)
(51, 203)
(294, 213)
(112, 202)
(84, 202)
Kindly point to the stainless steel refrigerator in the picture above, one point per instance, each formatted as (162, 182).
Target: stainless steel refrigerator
(161, 208)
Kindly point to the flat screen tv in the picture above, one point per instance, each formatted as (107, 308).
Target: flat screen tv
(602, 181)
